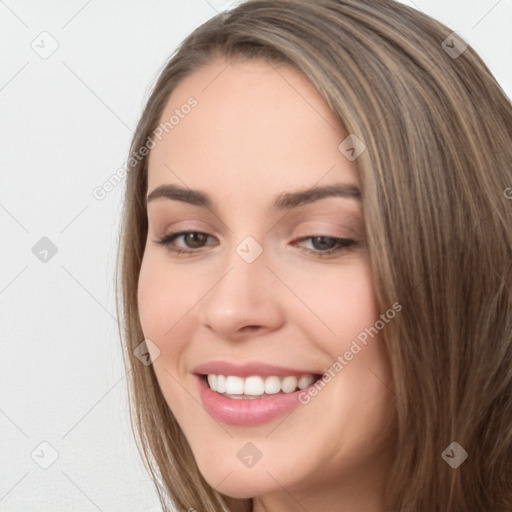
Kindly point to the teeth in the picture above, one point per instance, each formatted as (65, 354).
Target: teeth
(212, 381)
(234, 385)
(305, 381)
(257, 386)
(289, 384)
(272, 385)
(221, 383)
(252, 386)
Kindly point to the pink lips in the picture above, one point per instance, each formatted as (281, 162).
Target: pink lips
(247, 412)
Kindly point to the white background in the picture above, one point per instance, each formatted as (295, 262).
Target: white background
(66, 124)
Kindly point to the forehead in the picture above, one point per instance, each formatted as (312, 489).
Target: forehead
(256, 125)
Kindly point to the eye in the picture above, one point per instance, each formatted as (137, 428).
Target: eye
(195, 238)
(331, 243)
(323, 246)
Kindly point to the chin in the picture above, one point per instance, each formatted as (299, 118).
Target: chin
(242, 482)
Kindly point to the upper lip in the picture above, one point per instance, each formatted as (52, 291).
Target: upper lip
(249, 369)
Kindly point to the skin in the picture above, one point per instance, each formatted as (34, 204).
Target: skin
(261, 127)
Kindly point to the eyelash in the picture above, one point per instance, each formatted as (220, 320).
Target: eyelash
(342, 244)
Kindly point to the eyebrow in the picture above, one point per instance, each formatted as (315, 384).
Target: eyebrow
(283, 201)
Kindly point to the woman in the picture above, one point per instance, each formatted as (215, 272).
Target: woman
(315, 266)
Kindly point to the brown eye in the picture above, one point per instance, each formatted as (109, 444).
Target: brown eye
(193, 240)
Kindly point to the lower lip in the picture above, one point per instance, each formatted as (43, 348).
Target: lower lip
(246, 412)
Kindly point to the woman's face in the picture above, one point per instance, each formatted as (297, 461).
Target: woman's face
(259, 295)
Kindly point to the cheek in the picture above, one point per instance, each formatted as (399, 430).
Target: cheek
(166, 299)
(341, 303)
(163, 299)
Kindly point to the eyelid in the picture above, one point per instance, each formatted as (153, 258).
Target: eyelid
(328, 228)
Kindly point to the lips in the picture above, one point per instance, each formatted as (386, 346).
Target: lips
(241, 409)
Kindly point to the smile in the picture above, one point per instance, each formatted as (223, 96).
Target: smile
(254, 386)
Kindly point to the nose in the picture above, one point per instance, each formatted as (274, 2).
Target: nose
(243, 299)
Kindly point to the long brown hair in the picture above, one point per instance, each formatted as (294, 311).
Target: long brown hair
(436, 176)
